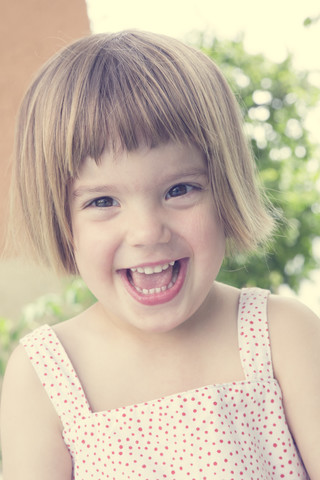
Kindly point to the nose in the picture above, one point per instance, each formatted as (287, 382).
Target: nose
(148, 227)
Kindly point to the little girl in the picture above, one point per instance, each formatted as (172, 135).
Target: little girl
(132, 170)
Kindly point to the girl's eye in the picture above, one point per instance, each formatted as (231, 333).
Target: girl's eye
(103, 202)
(179, 190)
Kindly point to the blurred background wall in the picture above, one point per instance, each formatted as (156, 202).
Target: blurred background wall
(30, 32)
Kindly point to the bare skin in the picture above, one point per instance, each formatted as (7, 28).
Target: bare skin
(177, 357)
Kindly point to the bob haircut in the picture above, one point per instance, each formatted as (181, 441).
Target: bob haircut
(115, 91)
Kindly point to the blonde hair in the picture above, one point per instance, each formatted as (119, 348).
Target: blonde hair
(115, 91)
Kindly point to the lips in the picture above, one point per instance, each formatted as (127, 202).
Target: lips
(155, 284)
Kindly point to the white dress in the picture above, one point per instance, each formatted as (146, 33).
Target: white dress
(233, 431)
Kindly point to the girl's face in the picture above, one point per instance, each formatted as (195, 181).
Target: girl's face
(148, 242)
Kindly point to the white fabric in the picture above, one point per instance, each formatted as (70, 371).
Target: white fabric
(232, 431)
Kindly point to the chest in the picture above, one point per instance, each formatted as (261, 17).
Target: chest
(117, 369)
(200, 433)
(116, 377)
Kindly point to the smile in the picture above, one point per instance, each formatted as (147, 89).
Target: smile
(151, 285)
(149, 280)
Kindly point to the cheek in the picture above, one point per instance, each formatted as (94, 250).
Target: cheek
(93, 248)
(207, 232)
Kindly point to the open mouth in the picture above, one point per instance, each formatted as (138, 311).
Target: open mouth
(149, 280)
(157, 284)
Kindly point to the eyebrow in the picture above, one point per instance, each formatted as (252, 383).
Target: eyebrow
(105, 188)
(98, 189)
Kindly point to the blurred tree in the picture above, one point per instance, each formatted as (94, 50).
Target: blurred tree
(275, 99)
(311, 21)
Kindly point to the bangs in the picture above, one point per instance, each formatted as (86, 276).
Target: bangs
(128, 93)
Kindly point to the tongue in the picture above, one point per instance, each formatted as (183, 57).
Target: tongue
(154, 280)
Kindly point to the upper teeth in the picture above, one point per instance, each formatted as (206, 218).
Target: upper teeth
(150, 270)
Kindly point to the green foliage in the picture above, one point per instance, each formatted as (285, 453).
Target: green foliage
(50, 309)
(311, 21)
(274, 99)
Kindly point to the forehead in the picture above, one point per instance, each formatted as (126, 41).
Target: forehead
(164, 162)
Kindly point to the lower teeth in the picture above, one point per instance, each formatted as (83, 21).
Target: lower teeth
(145, 291)
(154, 290)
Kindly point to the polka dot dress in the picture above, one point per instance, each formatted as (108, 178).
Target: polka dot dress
(232, 431)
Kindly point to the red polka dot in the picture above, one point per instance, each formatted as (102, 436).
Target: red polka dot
(232, 431)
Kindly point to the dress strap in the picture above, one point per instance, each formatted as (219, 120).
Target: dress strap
(253, 331)
(56, 374)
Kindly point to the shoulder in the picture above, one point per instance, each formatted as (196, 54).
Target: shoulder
(288, 311)
(22, 388)
(294, 330)
(295, 349)
(29, 425)
(294, 335)
(21, 385)
(19, 371)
